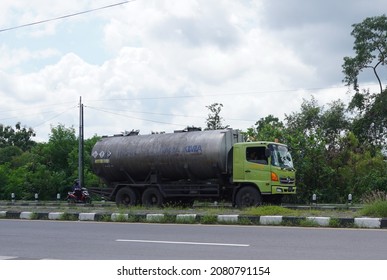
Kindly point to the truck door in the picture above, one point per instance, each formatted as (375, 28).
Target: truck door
(257, 168)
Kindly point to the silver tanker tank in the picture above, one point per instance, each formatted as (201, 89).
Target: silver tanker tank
(174, 156)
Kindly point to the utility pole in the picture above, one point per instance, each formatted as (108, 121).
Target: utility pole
(80, 148)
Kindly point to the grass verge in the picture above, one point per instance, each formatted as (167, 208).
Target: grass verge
(377, 209)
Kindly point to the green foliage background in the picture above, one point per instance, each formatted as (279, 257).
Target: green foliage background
(43, 168)
(330, 160)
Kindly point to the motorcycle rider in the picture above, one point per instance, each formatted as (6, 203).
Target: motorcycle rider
(77, 189)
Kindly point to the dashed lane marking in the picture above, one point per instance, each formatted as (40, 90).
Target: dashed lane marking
(7, 257)
(18, 258)
(183, 243)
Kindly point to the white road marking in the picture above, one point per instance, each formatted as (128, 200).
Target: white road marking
(183, 243)
(7, 257)
(2, 258)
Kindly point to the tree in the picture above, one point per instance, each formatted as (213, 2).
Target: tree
(8, 153)
(334, 124)
(370, 121)
(61, 143)
(214, 120)
(19, 136)
(306, 138)
(370, 47)
(268, 128)
(358, 171)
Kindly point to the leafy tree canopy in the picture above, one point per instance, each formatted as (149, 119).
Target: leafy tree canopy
(268, 129)
(18, 136)
(370, 48)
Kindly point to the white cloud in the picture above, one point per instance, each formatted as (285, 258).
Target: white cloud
(12, 59)
(250, 56)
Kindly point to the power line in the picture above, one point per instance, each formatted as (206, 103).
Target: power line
(29, 107)
(115, 110)
(65, 16)
(252, 92)
(53, 117)
(29, 115)
(135, 118)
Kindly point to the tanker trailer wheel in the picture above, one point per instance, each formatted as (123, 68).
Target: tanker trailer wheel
(126, 197)
(152, 198)
(248, 196)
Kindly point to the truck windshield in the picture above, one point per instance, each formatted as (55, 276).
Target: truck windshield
(280, 156)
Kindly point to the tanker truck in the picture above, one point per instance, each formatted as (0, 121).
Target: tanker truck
(184, 166)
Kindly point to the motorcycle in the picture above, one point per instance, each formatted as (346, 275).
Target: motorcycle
(79, 196)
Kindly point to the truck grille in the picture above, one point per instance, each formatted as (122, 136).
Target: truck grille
(287, 181)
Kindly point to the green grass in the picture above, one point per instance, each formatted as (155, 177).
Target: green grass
(68, 217)
(377, 209)
(209, 219)
(308, 223)
(120, 218)
(269, 211)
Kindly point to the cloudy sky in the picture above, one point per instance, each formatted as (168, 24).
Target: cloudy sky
(154, 65)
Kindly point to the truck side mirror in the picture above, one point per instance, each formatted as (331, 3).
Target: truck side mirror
(267, 152)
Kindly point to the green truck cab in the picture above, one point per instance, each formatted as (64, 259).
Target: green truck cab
(266, 167)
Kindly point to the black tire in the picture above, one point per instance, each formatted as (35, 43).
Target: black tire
(152, 198)
(126, 197)
(248, 196)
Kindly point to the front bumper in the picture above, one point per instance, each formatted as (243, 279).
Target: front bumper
(283, 190)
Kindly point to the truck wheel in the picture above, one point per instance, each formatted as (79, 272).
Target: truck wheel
(247, 197)
(152, 198)
(126, 197)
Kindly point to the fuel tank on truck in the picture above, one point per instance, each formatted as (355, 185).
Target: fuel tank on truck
(173, 156)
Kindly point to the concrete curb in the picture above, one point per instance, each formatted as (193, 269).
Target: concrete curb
(116, 217)
(26, 215)
(86, 216)
(181, 218)
(368, 222)
(321, 221)
(55, 215)
(228, 218)
(270, 220)
(363, 222)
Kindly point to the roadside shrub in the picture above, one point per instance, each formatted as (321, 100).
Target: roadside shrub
(334, 222)
(245, 221)
(68, 217)
(376, 209)
(209, 219)
(120, 218)
(374, 196)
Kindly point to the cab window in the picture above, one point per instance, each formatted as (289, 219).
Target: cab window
(256, 155)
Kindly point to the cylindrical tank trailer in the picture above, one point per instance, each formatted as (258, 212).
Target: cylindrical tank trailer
(173, 156)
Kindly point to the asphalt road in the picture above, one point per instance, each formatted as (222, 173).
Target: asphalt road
(64, 240)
